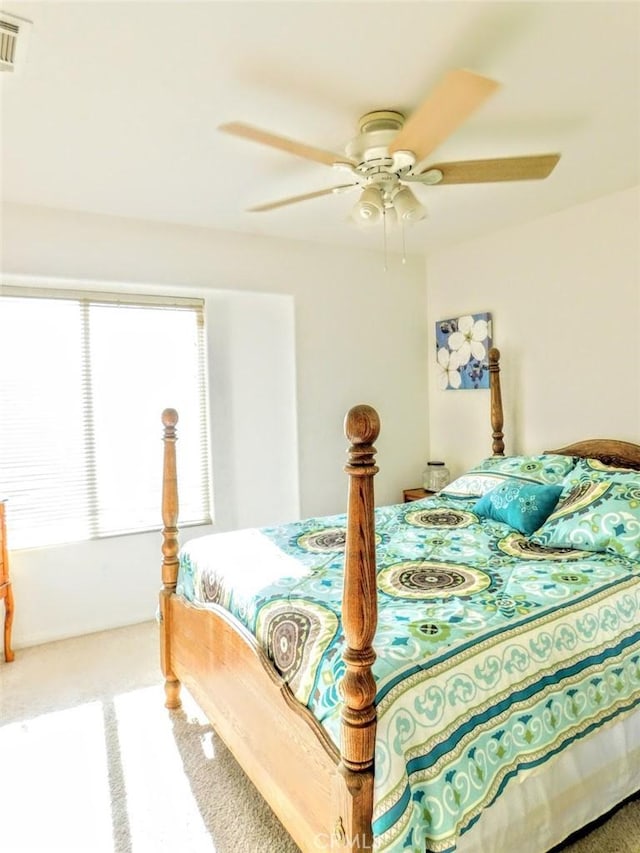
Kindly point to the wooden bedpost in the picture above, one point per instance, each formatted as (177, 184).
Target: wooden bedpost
(497, 417)
(359, 619)
(170, 554)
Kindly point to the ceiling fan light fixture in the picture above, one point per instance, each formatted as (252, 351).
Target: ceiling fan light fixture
(369, 206)
(407, 205)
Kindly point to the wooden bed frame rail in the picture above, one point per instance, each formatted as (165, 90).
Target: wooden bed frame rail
(323, 797)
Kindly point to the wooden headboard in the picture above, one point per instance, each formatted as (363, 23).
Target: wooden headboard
(609, 451)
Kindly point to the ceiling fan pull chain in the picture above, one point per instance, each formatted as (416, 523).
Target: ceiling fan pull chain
(404, 246)
(384, 234)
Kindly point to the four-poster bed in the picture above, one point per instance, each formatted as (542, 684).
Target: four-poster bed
(324, 793)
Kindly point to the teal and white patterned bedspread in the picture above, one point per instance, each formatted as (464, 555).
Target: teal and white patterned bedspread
(493, 654)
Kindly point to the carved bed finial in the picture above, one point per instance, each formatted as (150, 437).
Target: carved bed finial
(362, 424)
(497, 417)
(169, 419)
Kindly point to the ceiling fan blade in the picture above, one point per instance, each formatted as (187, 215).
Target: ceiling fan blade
(453, 100)
(529, 168)
(272, 205)
(246, 131)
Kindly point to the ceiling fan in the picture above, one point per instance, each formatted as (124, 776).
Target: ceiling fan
(389, 152)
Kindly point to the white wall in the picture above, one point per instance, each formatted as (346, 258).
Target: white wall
(297, 334)
(564, 292)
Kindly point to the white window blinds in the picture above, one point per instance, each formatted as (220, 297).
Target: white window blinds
(84, 378)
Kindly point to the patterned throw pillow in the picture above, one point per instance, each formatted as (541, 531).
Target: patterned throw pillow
(523, 506)
(547, 468)
(593, 469)
(599, 510)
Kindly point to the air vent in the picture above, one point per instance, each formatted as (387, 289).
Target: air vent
(14, 33)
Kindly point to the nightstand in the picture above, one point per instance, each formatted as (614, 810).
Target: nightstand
(416, 494)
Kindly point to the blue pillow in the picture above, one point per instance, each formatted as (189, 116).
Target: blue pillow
(522, 505)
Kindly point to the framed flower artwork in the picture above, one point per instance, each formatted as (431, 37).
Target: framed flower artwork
(462, 351)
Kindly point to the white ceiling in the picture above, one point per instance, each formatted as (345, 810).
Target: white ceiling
(117, 107)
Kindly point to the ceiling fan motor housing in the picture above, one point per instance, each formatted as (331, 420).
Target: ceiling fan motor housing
(378, 129)
(375, 166)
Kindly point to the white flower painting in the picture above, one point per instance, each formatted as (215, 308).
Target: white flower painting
(462, 346)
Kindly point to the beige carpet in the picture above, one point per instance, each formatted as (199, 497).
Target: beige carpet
(91, 762)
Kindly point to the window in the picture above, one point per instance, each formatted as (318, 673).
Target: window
(84, 378)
